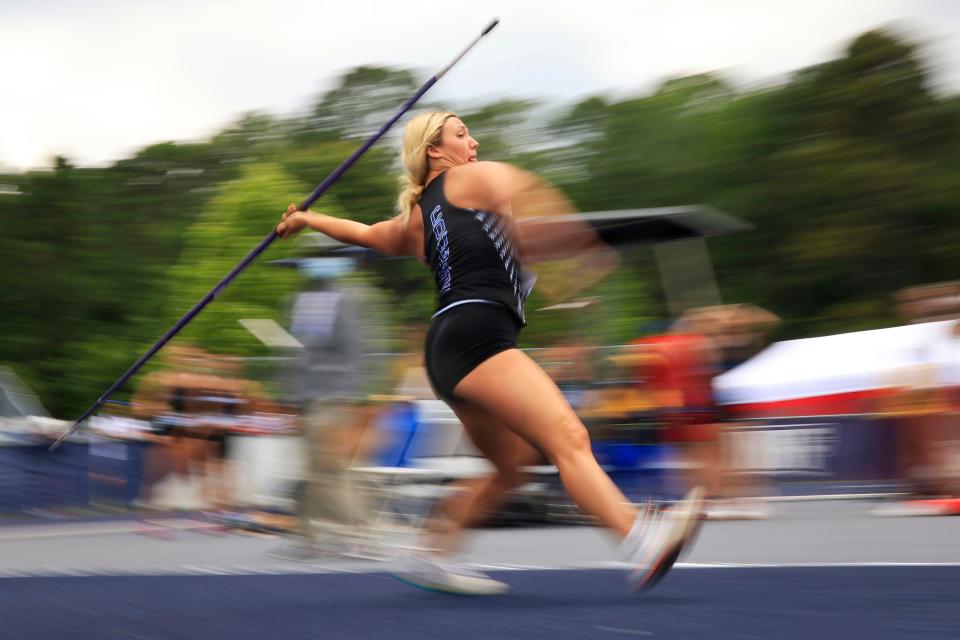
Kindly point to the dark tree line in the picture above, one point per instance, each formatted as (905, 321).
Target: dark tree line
(849, 174)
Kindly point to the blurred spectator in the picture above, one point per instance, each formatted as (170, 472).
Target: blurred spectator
(226, 402)
(926, 406)
(335, 378)
(738, 331)
(681, 365)
(193, 405)
(679, 368)
(165, 399)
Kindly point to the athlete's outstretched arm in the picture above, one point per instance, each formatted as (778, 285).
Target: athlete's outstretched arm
(388, 237)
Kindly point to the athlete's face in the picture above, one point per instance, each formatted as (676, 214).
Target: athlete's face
(456, 145)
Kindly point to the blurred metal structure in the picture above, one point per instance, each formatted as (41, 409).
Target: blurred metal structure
(626, 227)
(678, 235)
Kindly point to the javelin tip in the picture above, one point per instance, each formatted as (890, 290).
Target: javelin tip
(490, 26)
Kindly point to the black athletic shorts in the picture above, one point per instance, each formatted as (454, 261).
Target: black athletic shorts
(462, 337)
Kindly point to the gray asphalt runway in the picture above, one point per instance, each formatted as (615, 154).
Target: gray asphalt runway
(818, 569)
(834, 532)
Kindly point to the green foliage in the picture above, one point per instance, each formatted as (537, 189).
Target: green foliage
(233, 223)
(361, 101)
(367, 191)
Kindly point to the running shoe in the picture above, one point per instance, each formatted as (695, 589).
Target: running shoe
(434, 573)
(658, 538)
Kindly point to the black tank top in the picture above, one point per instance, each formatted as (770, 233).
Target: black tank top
(471, 253)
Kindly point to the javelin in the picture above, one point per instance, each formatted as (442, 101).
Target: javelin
(257, 250)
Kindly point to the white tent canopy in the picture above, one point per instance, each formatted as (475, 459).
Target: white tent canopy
(843, 363)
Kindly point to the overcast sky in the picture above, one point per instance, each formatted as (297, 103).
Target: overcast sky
(95, 80)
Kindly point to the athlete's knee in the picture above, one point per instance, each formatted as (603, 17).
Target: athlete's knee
(572, 438)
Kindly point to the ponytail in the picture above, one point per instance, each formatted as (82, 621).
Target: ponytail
(421, 132)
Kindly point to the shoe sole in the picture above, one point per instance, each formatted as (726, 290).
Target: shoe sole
(660, 569)
(671, 552)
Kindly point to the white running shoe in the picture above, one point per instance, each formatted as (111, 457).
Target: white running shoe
(434, 573)
(658, 536)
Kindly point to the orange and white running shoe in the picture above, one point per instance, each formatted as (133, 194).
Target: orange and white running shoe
(659, 536)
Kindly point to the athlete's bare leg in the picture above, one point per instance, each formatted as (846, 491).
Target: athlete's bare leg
(479, 497)
(513, 388)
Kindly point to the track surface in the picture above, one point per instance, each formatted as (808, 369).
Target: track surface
(816, 602)
(98, 581)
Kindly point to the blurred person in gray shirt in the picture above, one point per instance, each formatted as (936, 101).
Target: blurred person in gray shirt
(340, 322)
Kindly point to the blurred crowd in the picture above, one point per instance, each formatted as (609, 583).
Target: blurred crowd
(357, 418)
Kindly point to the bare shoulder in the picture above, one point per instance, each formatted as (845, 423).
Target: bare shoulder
(482, 185)
(481, 174)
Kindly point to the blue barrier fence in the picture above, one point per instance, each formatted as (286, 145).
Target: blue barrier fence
(789, 452)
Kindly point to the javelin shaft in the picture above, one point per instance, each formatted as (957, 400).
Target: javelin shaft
(268, 240)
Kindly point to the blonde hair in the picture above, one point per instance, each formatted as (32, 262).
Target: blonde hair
(421, 132)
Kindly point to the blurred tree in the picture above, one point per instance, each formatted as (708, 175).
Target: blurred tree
(61, 282)
(848, 173)
(227, 229)
(367, 191)
(857, 186)
(508, 131)
(359, 103)
(834, 169)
